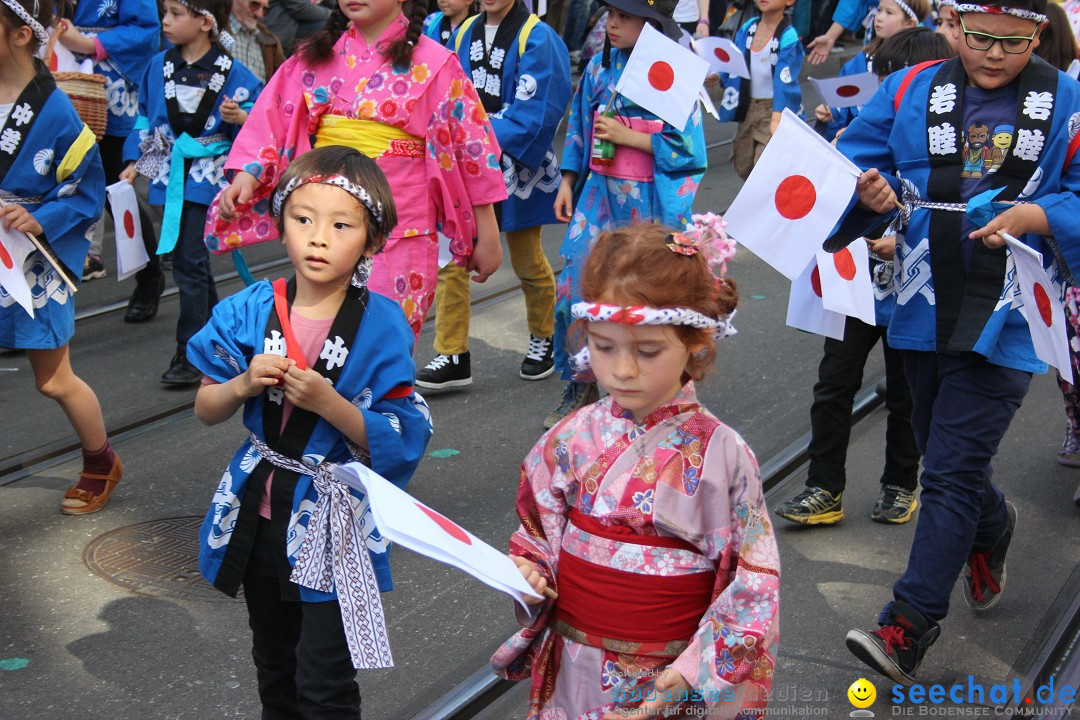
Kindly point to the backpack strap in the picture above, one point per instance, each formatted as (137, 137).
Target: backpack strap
(523, 36)
(911, 73)
(462, 30)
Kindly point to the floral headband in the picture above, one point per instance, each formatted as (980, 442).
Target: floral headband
(28, 18)
(644, 315)
(227, 41)
(1021, 13)
(360, 193)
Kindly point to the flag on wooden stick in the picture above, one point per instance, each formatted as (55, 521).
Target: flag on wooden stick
(663, 77)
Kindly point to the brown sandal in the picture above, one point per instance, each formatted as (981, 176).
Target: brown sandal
(81, 502)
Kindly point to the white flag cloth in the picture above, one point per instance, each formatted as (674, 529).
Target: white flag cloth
(663, 77)
(797, 191)
(805, 310)
(407, 521)
(130, 252)
(14, 247)
(723, 56)
(1073, 70)
(846, 287)
(1042, 308)
(847, 90)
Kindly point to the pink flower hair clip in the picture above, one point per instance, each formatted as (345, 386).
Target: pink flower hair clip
(707, 234)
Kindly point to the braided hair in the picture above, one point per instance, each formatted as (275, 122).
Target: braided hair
(320, 48)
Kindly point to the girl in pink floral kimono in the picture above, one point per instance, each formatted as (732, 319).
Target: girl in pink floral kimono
(643, 512)
(371, 81)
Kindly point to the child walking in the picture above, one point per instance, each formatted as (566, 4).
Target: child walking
(521, 70)
(440, 25)
(774, 55)
(191, 103)
(652, 176)
(272, 348)
(372, 82)
(643, 511)
(52, 182)
(968, 354)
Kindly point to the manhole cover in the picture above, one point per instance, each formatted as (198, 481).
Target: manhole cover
(159, 558)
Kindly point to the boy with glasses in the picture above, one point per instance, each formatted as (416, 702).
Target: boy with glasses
(968, 354)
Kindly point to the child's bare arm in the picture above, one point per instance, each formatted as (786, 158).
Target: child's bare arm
(609, 128)
(216, 403)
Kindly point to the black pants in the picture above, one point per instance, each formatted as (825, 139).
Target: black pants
(147, 279)
(301, 655)
(839, 378)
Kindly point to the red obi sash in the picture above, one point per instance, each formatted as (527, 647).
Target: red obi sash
(603, 602)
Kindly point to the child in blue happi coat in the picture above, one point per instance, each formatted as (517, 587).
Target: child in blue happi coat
(440, 25)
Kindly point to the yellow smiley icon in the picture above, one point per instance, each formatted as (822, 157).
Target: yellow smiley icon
(861, 693)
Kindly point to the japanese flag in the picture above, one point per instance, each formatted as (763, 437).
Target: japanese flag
(847, 90)
(14, 247)
(405, 520)
(130, 252)
(797, 191)
(723, 56)
(1042, 308)
(806, 311)
(846, 287)
(663, 77)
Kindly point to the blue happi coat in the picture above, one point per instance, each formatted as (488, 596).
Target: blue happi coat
(129, 31)
(898, 141)
(787, 56)
(535, 89)
(207, 174)
(398, 430)
(56, 174)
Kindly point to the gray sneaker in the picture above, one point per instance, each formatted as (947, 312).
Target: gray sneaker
(576, 395)
(895, 505)
(813, 506)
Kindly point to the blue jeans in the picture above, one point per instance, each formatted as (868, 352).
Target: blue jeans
(192, 275)
(963, 405)
(577, 17)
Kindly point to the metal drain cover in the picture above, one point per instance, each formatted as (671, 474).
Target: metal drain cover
(158, 558)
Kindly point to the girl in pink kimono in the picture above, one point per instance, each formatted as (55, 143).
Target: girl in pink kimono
(643, 512)
(373, 82)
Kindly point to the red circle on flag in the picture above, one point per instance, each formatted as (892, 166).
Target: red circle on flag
(845, 264)
(847, 90)
(795, 197)
(5, 257)
(721, 55)
(129, 224)
(1042, 301)
(815, 281)
(661, 76)
(449, 526)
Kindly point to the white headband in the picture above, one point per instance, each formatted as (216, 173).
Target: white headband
(1021, 13)
(339, 181)
(643, 315)
(227, 41)
(907, 10)
(34, 25)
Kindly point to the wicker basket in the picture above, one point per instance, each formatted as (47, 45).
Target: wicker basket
(87, 94)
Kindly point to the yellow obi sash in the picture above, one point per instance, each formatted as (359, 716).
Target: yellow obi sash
(373, 138)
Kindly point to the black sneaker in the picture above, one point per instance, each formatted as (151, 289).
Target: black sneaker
(813, 506)
(539, 361)
(93, 268)
(984, 572)
(895, 505)
(445, 371)
(181, 372)
(575, 395)
(895, 649)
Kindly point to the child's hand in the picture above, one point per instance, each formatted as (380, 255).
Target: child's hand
(532, 576)
(75, 41)
(875, 193)
(884, 247)
(487, 255)
(609, 128)
(823, 114)
(264, 371)
(231, 112)
(128, 173)
(712, 80)
(564, 200)
(18, 218)
(238, 193)
(308, 390)
(1017, 220)
(669, 681)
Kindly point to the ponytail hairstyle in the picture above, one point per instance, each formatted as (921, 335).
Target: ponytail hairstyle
(320, 48)
(41, 11)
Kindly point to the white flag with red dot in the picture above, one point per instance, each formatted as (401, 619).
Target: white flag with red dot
(723, 56)
(130, 251)
(14, 247)
(806, 311)
(847, 90)
(1042, 307)
(846, 287)
(796, 193)
(663, 77)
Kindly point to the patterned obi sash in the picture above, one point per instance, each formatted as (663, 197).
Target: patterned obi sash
(374, 139)
(636, 607)
(630, 163)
